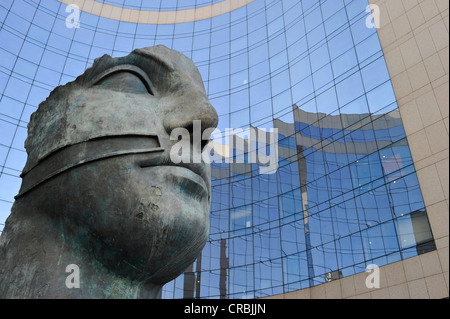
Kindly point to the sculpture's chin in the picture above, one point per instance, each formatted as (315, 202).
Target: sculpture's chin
(170, 234)
(149, 244)
(150, 229)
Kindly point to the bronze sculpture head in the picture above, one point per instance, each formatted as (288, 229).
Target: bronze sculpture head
(99, 189)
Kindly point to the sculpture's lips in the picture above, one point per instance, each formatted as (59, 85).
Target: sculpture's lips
(191, 177)
(190, 182)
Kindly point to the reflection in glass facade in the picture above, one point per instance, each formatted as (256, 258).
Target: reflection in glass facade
(345, 194)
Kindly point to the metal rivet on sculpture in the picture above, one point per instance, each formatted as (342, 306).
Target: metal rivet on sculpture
(99, 189)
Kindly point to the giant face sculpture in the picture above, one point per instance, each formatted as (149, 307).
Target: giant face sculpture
(100, 179)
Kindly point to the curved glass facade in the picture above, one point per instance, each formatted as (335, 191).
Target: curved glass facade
(345, 193)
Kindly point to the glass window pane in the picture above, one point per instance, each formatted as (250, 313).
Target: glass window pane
(350, 89)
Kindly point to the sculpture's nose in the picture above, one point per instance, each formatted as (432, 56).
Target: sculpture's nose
(189, 108)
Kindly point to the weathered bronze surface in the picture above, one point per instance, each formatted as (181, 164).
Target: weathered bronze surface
(99, 189)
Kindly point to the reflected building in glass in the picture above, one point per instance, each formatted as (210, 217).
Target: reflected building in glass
(351, 186)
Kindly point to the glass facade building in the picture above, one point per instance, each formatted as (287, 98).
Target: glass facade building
(345, 193)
